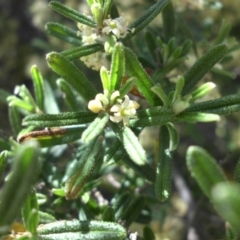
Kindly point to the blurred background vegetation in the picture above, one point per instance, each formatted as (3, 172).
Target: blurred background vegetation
(25, 42)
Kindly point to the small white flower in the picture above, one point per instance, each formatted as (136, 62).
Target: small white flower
(103, 98)
(89, 39)
(124, 111)
(99, 103)
(117, 26)
(85, 29)
(95, 106)
(114, 96)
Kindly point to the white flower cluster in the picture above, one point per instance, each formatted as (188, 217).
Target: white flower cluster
(91, 35)
(119, 109)
(95, 60)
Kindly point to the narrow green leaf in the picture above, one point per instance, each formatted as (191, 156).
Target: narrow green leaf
(171, 47)
(173, 135)
(143, 82)
(15, 119)
(58, 120)
(178, 90)
(45, 218)
(117, 67)
(204, 169)
(114, 11)
(226, 198)
(127, 86)
(72, 75)
(202, 66)
(135, 151)
(24, 173)
(63, 33)
(147, 17)
(114, 153)
(41, 198)
(69, 95)
(202, 90)
(50, 102)
(234, 48)
(97, 13)
(95, 128)
(186, 46)
(224, 105)
(92, 184)
(3, 162)
(176, 54)
(107, 8)
(21, 104)
(105, 78)
(223, 72)
(25, 95)
(223, 32)
(79, 151)
(30, 212)
(133, 210)
(224, 110)
(33, 221)
(76, 230)
(52, 137)
(164, 166)
(58, 192)
(78, 52)
(193, 117)
(120, 204)
(108, 214)
(130, 143)
(154, 116)
(168, 21)
(158, 90)
(82, 169)
(38, 86)
(71, 13)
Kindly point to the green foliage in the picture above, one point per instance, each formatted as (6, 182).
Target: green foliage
(70, 73)
(225, 197)
(164, 166)
(30, 212)
(82, 230)
(82, 168)
(202, 66)
(103, 130)
(24, 173)
(204, 169)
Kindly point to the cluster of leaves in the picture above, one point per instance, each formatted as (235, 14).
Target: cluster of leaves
(103, 145)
